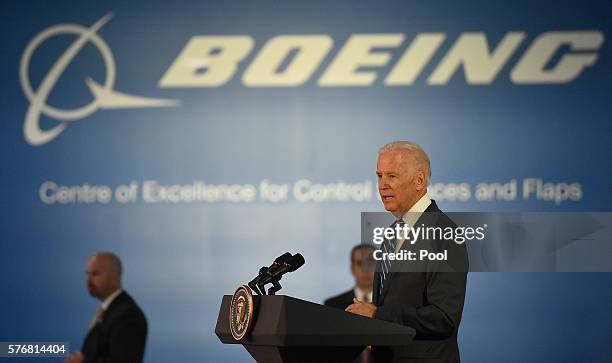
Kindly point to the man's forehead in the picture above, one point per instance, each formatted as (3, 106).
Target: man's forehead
(393, 159)
(362, 253)
(92, 262)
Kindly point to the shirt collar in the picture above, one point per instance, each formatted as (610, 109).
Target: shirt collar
(421, 205)
(106, 303)
(362, 295)
(416, 210)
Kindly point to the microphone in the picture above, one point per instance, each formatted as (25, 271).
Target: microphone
(282, 265)
(264, 271)
(289, 265)
(273, 276)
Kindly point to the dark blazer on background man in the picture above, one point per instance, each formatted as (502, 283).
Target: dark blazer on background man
(120, 334)
(341, 301)
(429, 301)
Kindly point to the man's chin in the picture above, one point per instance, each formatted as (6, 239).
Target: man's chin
(390, 207)
(395, 211)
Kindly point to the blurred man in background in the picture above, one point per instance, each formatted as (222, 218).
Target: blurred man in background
(118, 330)
(362, 268)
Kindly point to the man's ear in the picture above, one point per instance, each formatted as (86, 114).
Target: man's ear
(419, 180)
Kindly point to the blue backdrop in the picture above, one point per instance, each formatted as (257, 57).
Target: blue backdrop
(181, 256)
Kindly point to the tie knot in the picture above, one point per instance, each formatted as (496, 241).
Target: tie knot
(399, 222)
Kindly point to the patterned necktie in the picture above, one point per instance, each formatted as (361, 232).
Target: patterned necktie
(388, 246)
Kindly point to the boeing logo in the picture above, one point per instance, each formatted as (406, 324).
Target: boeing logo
(388, 60)
(104, 97)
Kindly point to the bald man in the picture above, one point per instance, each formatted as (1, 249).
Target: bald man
(429, 299)
(118, 331)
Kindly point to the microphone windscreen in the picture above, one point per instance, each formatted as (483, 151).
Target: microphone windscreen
(282, 258)
(296, 262)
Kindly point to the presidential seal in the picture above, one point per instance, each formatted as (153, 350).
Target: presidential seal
(241, 312)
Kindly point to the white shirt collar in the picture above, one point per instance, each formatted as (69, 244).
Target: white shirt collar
(106, 303)
(421, 205)
(362, 295)
(418, 208)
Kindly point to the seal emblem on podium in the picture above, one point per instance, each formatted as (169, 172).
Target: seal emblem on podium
(241, 312)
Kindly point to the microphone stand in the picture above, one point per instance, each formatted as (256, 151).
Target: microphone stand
(275, 287)
(254, 284)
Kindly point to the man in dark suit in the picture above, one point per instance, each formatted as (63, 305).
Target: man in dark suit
(118, 330)
(362, 291)
(427, 296)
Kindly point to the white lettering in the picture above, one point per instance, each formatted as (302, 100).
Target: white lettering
(356, 53)
(207, 61)
(531, 68)
(311, 49)
(472, 52)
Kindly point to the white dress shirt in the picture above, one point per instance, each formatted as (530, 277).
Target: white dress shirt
(103, 307)
(106, 303)
(362, 295)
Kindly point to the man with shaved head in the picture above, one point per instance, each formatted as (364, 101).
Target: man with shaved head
(430, 296)
(118, 330)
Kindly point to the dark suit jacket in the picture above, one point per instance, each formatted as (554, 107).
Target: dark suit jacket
(341, 301)
(430, 301)
(119, 336)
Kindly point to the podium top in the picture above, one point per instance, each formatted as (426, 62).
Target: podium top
(286, 321)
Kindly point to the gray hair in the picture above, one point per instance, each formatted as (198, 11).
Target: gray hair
(420, 158)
